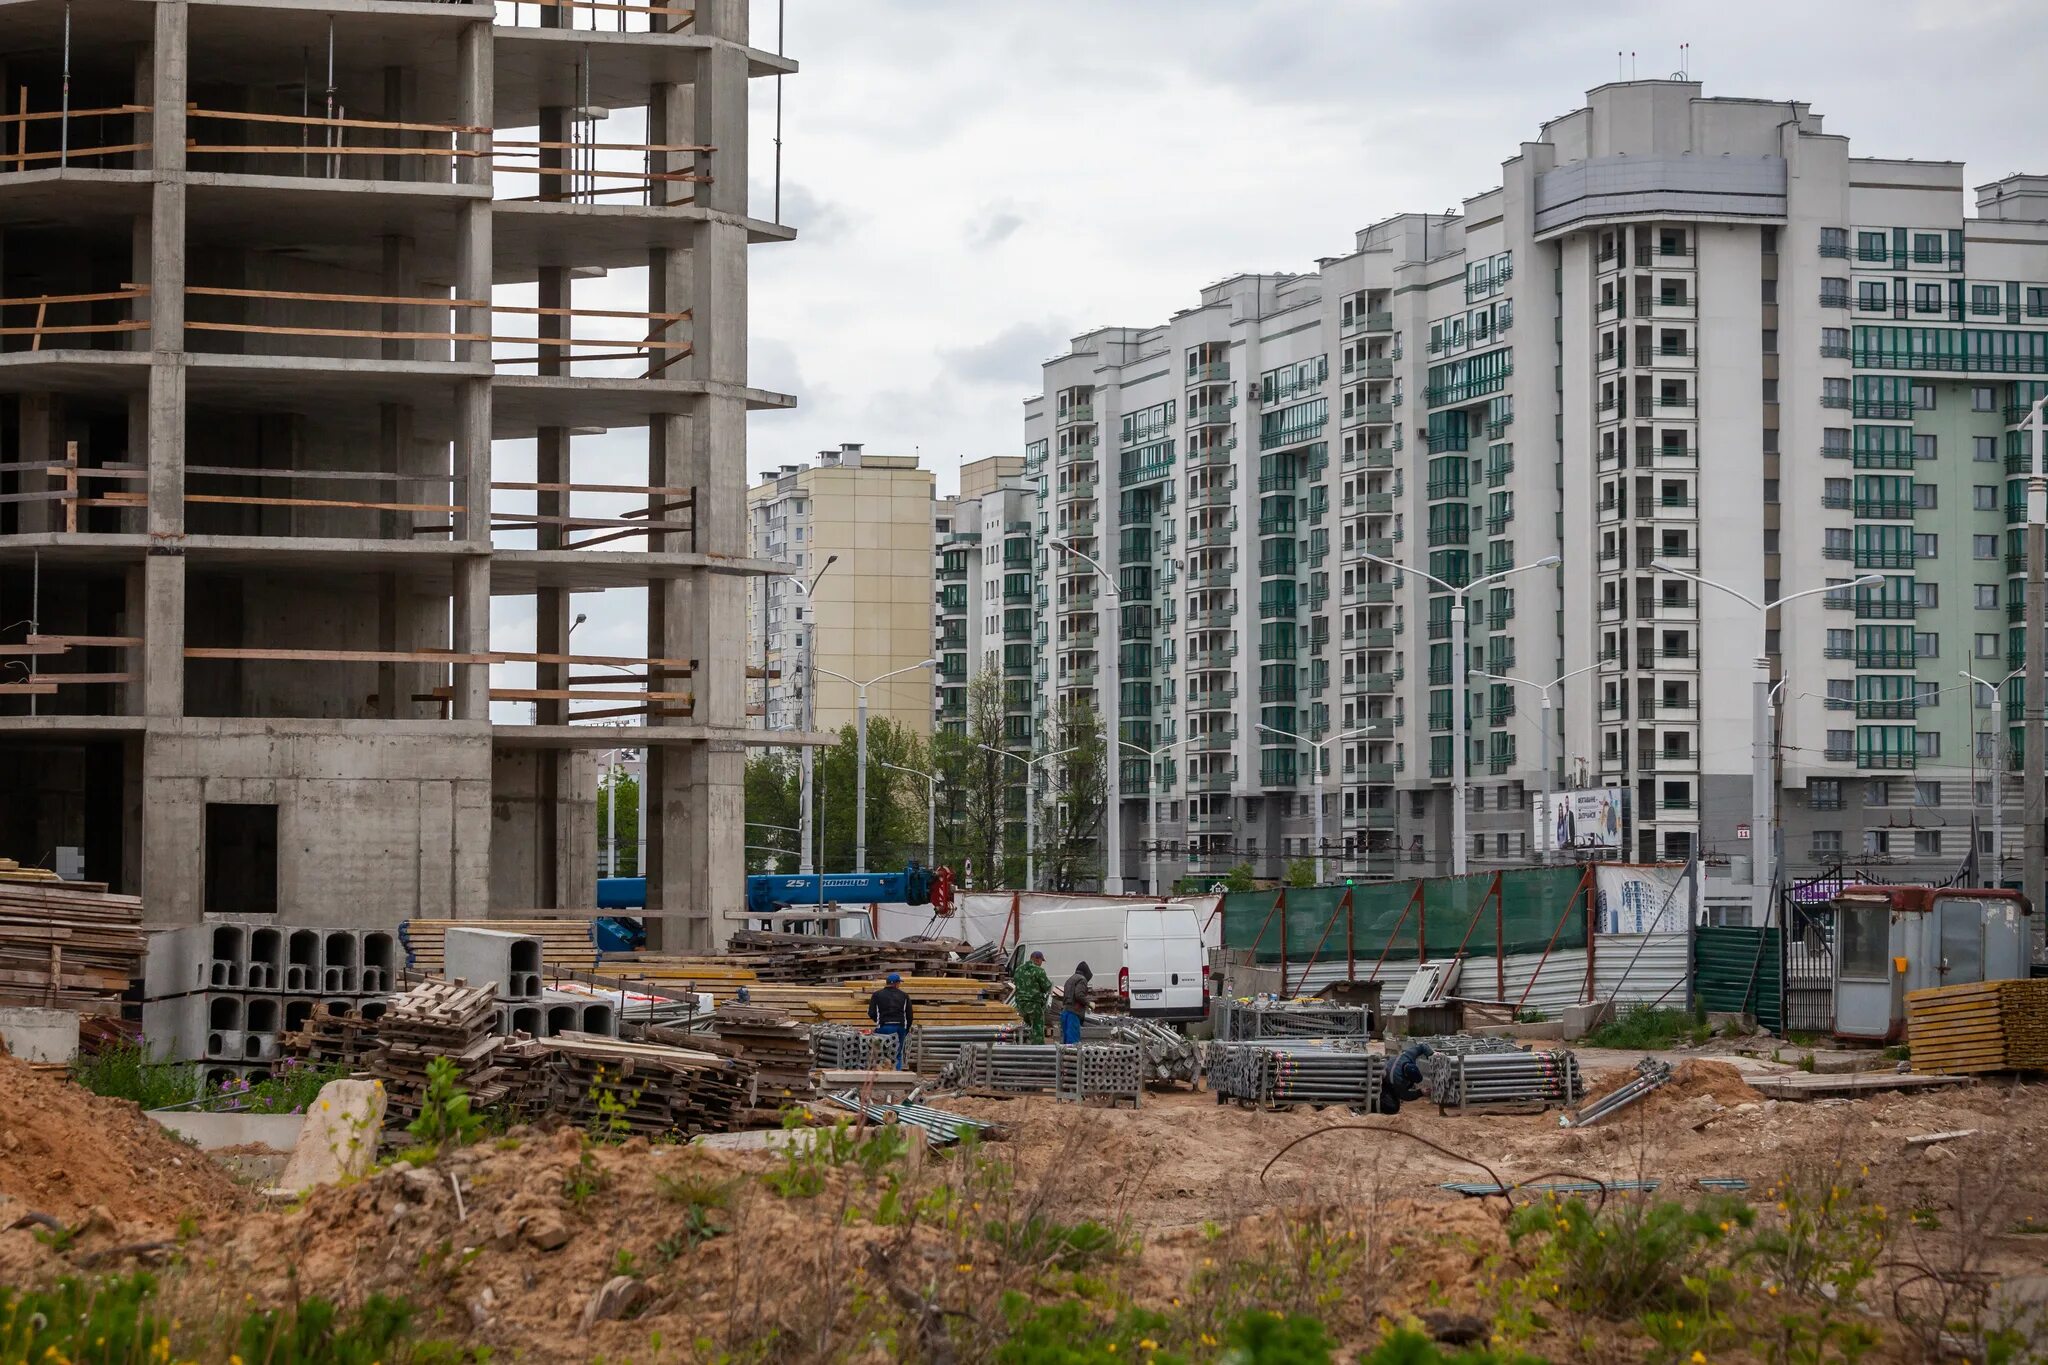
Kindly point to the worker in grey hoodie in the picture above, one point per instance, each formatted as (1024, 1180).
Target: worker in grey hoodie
(1074, 1007)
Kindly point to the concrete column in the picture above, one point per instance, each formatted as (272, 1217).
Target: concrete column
(475, 107)
(40, 432)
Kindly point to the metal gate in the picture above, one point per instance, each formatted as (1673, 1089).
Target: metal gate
(1809, 966)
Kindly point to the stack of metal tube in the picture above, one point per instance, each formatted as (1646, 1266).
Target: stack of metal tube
(1249, 1020)
(1112, 1071)
(1650, 1073)
(1514, 1078)
(1168, 1056)
(838, 1047)
(931, 1046)
(1313, 1072)
(940, 1127)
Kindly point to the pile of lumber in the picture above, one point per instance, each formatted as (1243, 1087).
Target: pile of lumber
(818, 958)
(67, 945)
(333, 1035)
(644, 1088)
(563, 942)
(939, 999)
(1979, 1026)
(438, 1019)
(771, 1041)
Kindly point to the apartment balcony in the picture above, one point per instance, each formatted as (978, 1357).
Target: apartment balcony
(1213, 741)
(1664, 309)
(1374, 323)
(1379, 457)
(1078, 414)
(1676, 509)
(1214, 372)
(1884, 509)
(1667, 357)
(1381, 684)
(1879, 761)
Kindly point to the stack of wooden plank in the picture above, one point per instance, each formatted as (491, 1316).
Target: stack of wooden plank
(644, 1088)
(563, 942)
(817, 958)
(333, 1035)
(939, 1000)
(1979, 1026)
(67, 945)
(438, 1019)
(774, 1042)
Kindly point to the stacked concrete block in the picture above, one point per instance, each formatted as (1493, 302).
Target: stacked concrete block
(221, 993)
(508, 963)
(566, 1012)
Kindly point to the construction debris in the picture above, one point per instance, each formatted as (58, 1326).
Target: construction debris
(1979, 1026)
(66, 945)
(1650, 1074)
(1929, 1139)
(335, 1035)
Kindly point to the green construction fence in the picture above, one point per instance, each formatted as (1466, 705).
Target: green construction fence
(1527, 910)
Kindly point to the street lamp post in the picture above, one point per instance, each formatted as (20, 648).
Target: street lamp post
(1030, 806)
(1316, 787)
(810, 685)
(1762, 805)
(1152, 808)
(860, 758)
(1549, 774)
(1458, 669)
(1997, 691)
(931, 811)
(1113, 838)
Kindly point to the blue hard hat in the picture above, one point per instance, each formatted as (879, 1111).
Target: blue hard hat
(895, 979)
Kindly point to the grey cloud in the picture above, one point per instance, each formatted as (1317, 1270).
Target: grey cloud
(1002, 224)
(1011, 357)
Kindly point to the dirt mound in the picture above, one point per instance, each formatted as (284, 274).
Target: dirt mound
(66, 1152)
(1690, 1081)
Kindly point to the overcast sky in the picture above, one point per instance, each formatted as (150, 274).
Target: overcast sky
(973, 182)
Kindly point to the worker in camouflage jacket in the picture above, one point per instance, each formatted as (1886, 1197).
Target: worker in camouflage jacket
(1034, 993)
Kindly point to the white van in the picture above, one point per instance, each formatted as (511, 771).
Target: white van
(1151, 955)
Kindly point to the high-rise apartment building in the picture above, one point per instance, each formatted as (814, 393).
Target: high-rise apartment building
(292, 294)
(986, 613)
(859, 526)
(1684, 335)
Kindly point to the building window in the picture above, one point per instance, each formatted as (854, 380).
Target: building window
(1983, 398)
(1926, 594)
(1926, 644)
(1870, 296)
(1984, 497)
(1927, 743)
(1927, 298)
(1923, 394)
(1926, 794)
(1877, 793)
(1834, 393)
(1876, 842)
(1927, 842)
(1834, 241)
(1827, 843)
(1984, 547)
(1923, 447)
(1987, 644)
(1926, 547)
(241, 859)
(1924, 493)
(1987, 597)
(1838, 538)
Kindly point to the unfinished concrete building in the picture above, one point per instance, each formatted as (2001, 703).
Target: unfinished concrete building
(255, 352)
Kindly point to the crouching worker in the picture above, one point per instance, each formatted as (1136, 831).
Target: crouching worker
(1404, 1080)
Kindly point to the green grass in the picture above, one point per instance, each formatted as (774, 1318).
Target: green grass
(124, 1071)
(1641, 1028)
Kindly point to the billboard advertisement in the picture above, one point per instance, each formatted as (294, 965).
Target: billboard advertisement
(1654, 898)
(1588, 821)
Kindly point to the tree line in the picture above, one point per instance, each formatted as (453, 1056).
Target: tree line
(980, 827)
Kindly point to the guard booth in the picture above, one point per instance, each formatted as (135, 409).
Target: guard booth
(1895, 939)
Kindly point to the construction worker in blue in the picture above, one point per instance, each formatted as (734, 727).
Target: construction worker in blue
(891, 1010)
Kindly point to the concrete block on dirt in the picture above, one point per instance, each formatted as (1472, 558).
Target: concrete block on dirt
(339, 1137)
(1580, 1020)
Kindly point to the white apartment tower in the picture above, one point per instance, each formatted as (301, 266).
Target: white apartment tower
(1683, 334)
